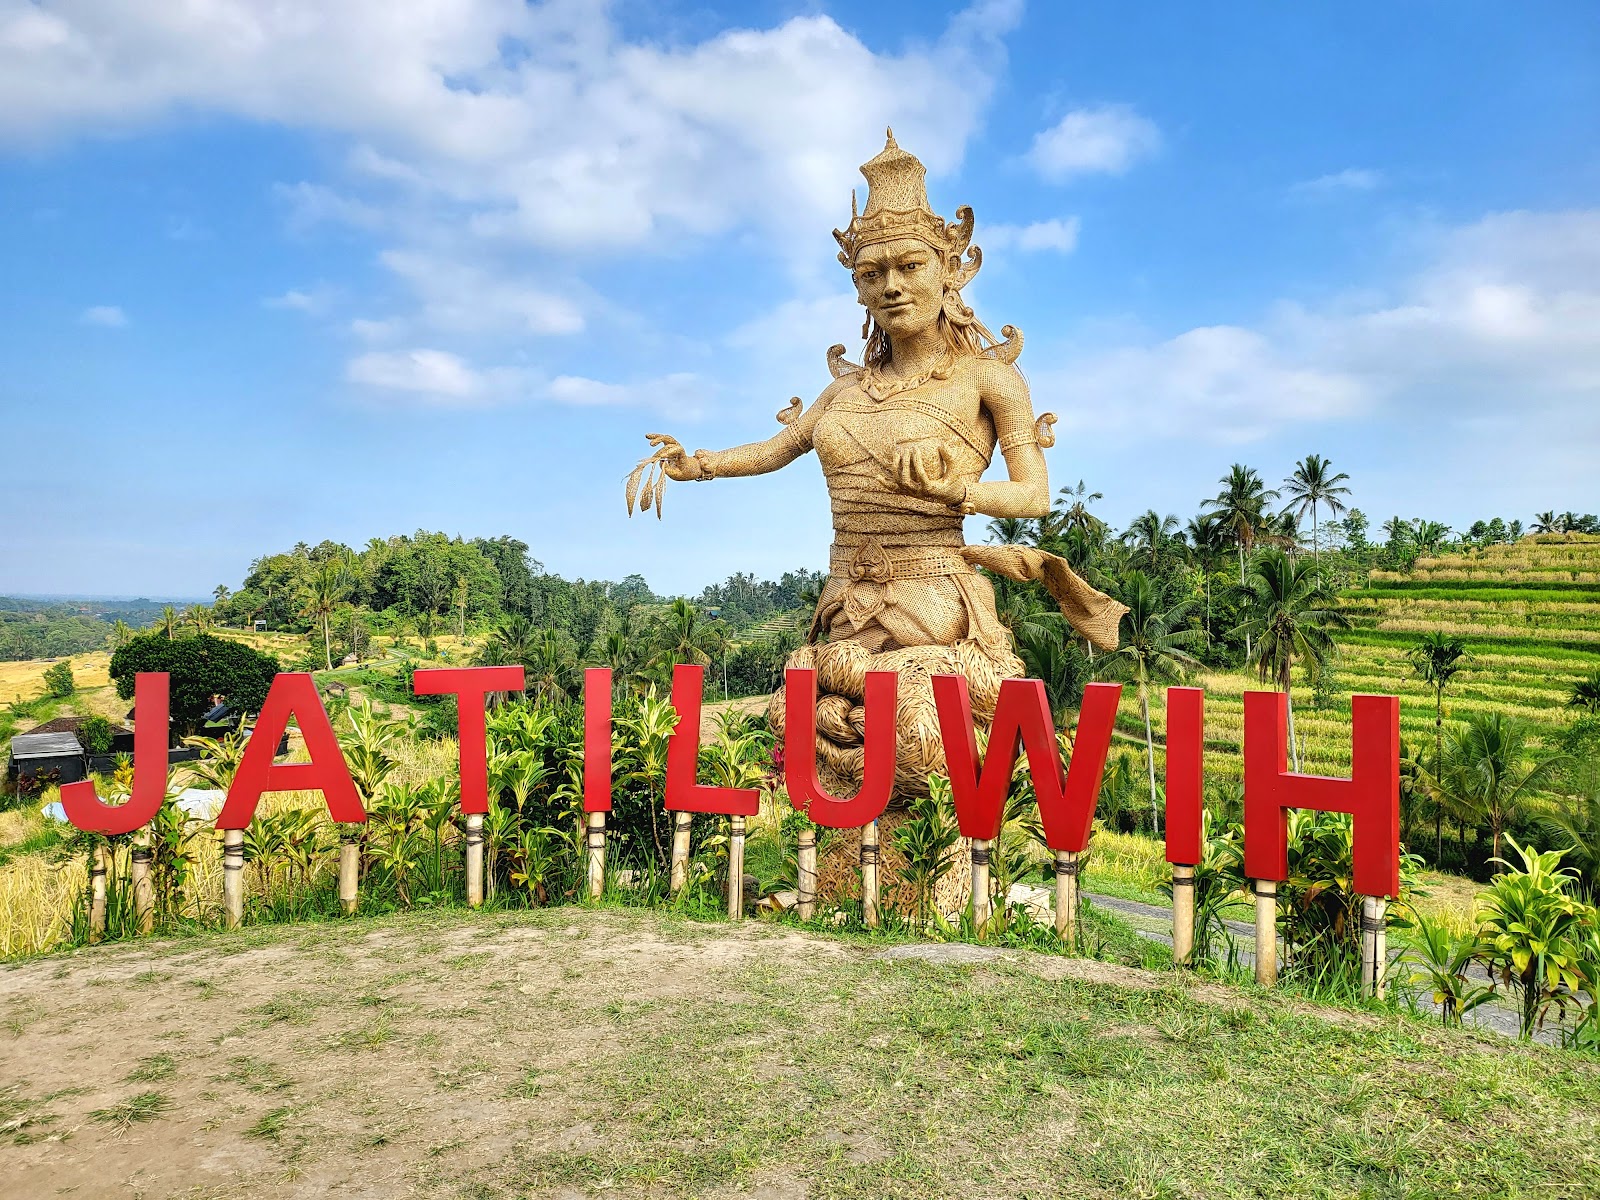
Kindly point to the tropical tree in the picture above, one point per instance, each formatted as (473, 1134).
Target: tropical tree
(169, 622)
(1292, 611)
(1072, 511)
(1548, 522)
(1529, 926)
(1152, 537)
(687, 638)
(1436, 659)
(1313, 485)
(1490, 772)
(1207, 540)
(1011, 531)
(1586, 693)
(1241, 509)
(324, 591)
(1154, 649)
(1045, 652)
(1429, 535)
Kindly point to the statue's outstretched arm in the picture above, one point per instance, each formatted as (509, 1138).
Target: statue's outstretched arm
(1026, 490)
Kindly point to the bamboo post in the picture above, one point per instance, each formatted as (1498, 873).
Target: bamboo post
(144, 891)
(349, 875)
(680, 851)
(97, 893)
(869, 875)
(1182, 914)
(474, 860)
(982, 903)
(735, 867)
(1374, 947)
(1266, 891)
(233, 878)
(1067, 898)
(806, 874)
(596, 842)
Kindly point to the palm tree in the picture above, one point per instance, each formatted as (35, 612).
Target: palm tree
(1586, 694)
(1241, 508)
(1429, 535)
(198, 616)
(1293, 611)
(1489, 771)
(1073, 511)
(1548, 522)
(1207, 545)
(688, 639)
(324, 591)
(1313, 484)
(1577, 832)
(1153, 650)
(1437, 658)
(1048, 656)
(1151, 537)
(1010, 531)
(169, 622)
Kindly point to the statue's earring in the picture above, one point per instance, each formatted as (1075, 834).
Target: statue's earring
(956, 312)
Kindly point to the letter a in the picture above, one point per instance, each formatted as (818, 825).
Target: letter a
(291, 695)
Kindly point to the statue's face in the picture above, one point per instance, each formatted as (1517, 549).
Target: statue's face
(901, 283)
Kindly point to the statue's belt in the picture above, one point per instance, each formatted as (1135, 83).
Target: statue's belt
(1092, 613)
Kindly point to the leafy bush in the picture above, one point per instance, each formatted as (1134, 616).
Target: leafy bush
(200, 667)
(96, 734)
(58, 681)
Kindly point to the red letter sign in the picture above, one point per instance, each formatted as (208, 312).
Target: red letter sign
(1186, 752)
(597, 739)
(151, 734)
(470, 686)
(683, 756)
(800, 751)
(1022, 720)
(291, 695)
(1371, 794)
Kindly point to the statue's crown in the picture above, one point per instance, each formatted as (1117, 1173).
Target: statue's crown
(897, 207)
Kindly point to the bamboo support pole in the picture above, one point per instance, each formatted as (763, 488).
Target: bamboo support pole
(1374, 944)
(680, 851)
(1182, 914)
(735, 867)
(144, 891)
(97, 893)
(1266, 892)
(1067, 898)
(869, 875)
(474, 860)
(349, 875)
(982, 902)
(806, 874)
(233, 878)
(596, 843)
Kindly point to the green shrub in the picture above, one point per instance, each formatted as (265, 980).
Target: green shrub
(199, 666)
(96, 734)
(58, 681)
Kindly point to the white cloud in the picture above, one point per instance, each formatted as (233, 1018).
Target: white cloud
(1107, 139)
(1351, 179)
(434, 373)
(1494, 331)
(460, 297)
(1055, 234)
(313, 303)
(108, 315)
(679, 394)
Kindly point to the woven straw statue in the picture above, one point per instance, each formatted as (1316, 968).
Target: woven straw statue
(904, 440)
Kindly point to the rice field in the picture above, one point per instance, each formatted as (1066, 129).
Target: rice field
(1529, 613)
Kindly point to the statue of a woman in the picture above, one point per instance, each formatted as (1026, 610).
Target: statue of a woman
(904, 440)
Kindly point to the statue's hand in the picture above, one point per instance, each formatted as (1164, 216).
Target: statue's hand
(928, 472)
(678, 463)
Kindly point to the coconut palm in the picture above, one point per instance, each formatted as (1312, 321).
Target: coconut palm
(169, 622)
(1436, 659)
(687, 638)
(1207, 546)
(1292, 611)
(1576, 832)
(1072, 511)
(1313, 485)
(1548, 522)
(1490, 772)
(1154, 649)
(1011, 531)
(1151, 537)
(324, 591)
(1045, 652)
(1241, 508)
(1586, 693)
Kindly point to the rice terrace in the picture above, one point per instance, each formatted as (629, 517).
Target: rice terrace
(1075, 787)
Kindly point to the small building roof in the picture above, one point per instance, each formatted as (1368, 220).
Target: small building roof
(45, 745)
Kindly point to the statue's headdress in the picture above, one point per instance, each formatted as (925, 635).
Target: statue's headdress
(897, 207)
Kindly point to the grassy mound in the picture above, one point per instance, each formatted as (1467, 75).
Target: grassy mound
(629, 1053)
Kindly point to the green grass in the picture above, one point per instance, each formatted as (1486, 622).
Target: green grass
(146, 1106)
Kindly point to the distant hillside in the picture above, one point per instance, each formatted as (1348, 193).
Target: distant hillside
(1529, 613)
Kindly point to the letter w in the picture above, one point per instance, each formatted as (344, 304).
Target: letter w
(1022, 721)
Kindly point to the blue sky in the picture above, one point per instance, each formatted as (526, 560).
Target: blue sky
(303, 271)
